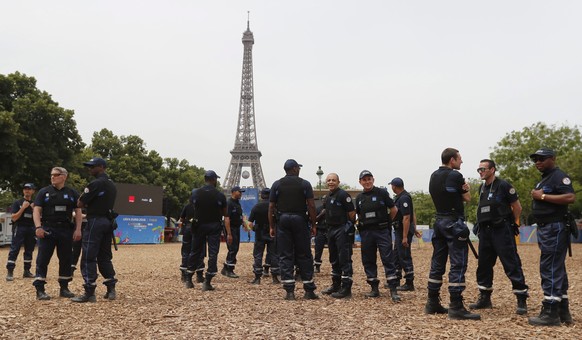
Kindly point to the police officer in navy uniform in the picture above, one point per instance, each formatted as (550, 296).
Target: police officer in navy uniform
(185, 222)
(292, 198)
(24, 232)
(448, 191)
(340, 215)
(497, 213)
(551, 198)
(375, 211)
(77, 246)
(235, 214)
(52, 214)
(320, 237)
(209, 210)
(98, 198)
(259, 221)
(404, 229)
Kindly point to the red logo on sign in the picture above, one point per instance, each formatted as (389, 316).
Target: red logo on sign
(131, 199)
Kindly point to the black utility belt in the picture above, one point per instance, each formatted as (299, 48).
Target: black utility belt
(302, 214)
(336, 225)
(493, 224)
(58, 224)
(547, 220)
(448, 217)
(374, 226)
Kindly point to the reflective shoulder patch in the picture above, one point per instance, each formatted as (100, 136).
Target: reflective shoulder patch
(348, 199)
(86, 190)
(405, 204)
(512, 191)
(566, 181)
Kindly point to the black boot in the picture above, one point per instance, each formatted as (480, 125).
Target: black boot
(199, 276)
(310, 295)
(276, 279)
(484, 300)
(336, 283)
(345, 290)
(317, 268)
(188, 280)
(41, 294)
(290, 295)
(65, 292)
(10, 275)
(206, 285)
(457, 310)
(183, 275)
(224, 270)
(257, 280)
(28, 274)
(521, 304)
(433, 304)
(374, 292)
(111, 293)
(548, 316)
(231, 273)
(88, 296)
(266, 271)
(406, 287)
(394, 295)
(564, 312)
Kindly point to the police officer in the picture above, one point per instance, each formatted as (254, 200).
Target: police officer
(185, 222)
(448, 191)
(320, 237)
(209, 209)
(497, 213)
(292, 198)
(404, 228)
(550, 200)
(52, 214)
(375, 211)
(235, 214)
(259, 221)
(24, 232)
(98, 198)
(340, 215)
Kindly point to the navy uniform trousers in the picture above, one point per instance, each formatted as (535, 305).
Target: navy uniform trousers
(24, 235)
(263, 240)
(205, 235)
(62, 239)
(445, 245)
(294, 245)
(553, 243)
(374, 240)
(97, 240)
(403, 256)
(320, 240)
(340, 252)
(499, 241)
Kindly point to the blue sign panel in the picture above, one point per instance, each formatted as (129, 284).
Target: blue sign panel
(134, 229)
(248, 200)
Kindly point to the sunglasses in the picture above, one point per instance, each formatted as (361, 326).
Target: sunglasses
(540, 158)
(55, 175)
(480, 170)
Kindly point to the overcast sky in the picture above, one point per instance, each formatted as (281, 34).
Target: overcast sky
(348, 85)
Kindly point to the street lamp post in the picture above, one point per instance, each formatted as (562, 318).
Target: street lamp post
(319, 173)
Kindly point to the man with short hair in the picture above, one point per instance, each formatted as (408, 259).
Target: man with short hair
(449, 191)
(291, 199)
(235, 214)
(550, 200)
(375, 211)
(497, 217)
(24, 232)
(52, 214)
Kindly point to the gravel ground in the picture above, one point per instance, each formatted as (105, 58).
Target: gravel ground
(152, 304)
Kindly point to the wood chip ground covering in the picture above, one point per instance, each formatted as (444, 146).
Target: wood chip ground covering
(153, 304)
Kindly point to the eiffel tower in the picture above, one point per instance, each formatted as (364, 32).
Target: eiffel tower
(246, 152)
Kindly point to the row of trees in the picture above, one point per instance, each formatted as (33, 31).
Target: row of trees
(37, 134)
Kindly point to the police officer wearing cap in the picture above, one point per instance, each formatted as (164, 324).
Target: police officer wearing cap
(52, 215)
(209, 210)
(404, 229)
(259, 220)
(24, 232)
(497, 215)
(340, 215)
(185, 223)
(292, 199)
(98, 199)
(550, 200)
(375, 211)
(449, 191)
(235, 214)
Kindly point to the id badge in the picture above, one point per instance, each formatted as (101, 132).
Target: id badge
(371, 214)
(486, 209)
(27, 215)
(60, 208)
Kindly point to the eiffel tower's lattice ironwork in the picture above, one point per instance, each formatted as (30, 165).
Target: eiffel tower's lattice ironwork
(246, 151)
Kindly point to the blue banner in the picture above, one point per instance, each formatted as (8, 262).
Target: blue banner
(134, 229)
(248, 200)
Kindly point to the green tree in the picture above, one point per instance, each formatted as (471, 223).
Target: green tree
(35, 134)
(423, 207)
(511, 154)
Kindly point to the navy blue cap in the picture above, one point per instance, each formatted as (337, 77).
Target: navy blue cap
(210, 174)
(290, 164)
(95, 161)
(544, 152)
(365, 173)
(29, 186)
(265, 192)
(397, 182)
(236, 188)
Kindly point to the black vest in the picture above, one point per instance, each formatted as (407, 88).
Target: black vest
(291, 196)
(207, 207)
(261, 215)
(372, 212)
(335, 214)
(492, 205)
(446, 203)
(25, 219)
(58, 205)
